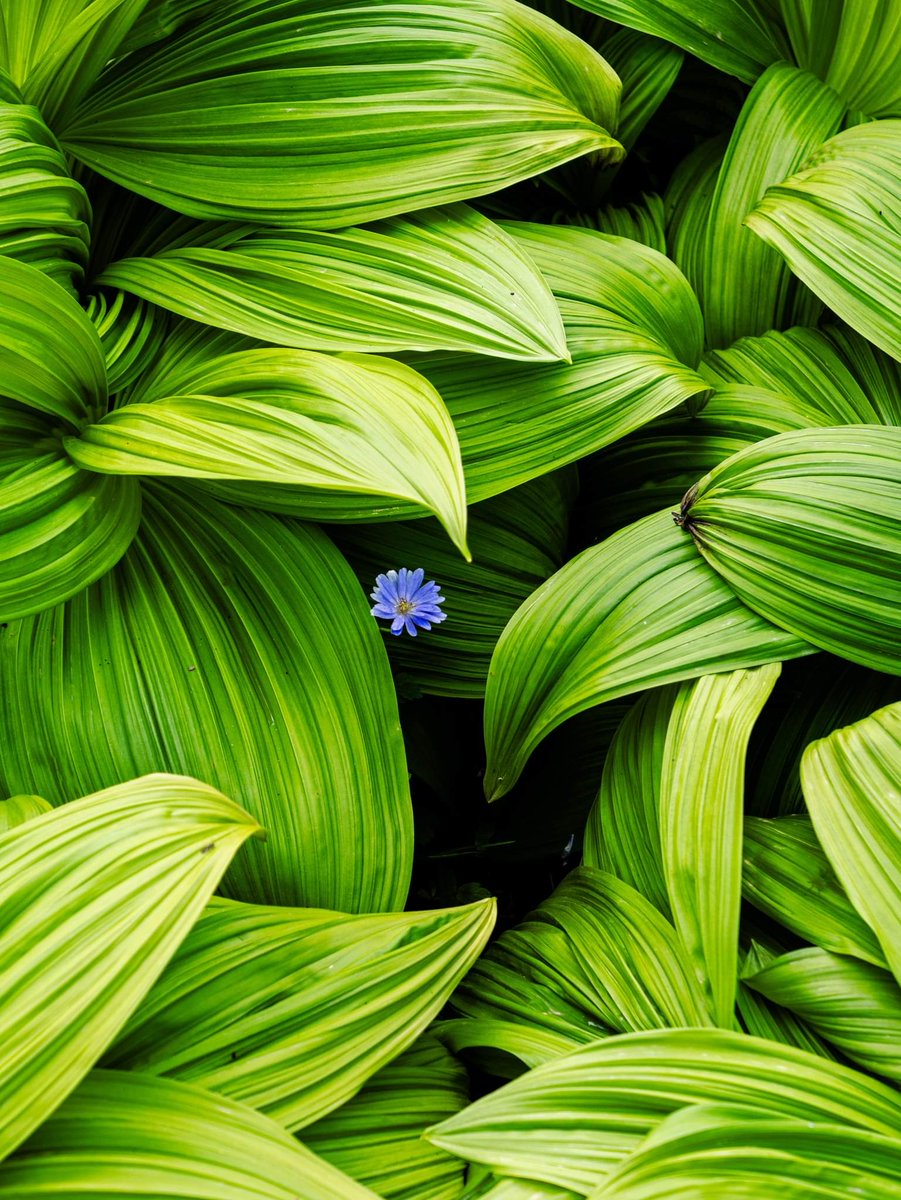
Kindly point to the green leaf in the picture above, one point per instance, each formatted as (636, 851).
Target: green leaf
(291, 1010)
(642, 222)
(132, 867)
(122, 1136)
(18, 809)
(804, 527)
(850, 782)
(837, 223)
(238, 647)
(637, 611)
(310, 435)
(762, 1019)
(132, 334)
(787, 875)
(701, 806)
(572, 1120)
(648, 68)
(307, 114)
(852, 1004)
(443, 279)
(530, 1043)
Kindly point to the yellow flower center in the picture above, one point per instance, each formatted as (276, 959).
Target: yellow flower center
(403, 607)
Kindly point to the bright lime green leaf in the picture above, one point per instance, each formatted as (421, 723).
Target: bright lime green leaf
(687, 201)
(787, 875)
(701, 806)
(572, 1120)
(131, 867)
(307, 434)
(523, 1189)
(852, 1004)
(743, 287)
(376, 1136)
(804, 527)
(517, 540)
(125, 1136)
(638, 611)
(132, 334)
(18, 809)
(852, 785)
(530, 1043)
(291, 1010)
(307, 114)
(762, 1019)
(443, 279)
(709, 1152)
(837, 223)
(642, 222)
(44, 213)
(238, 647)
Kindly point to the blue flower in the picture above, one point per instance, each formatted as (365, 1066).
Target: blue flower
(403, 599)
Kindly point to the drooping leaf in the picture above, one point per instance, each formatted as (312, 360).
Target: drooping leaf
(637, 611)
(851, 785)
(837, 223)
(239, 647)
(310, 435)
(125, 1136)
(292, 1010)
(131, 866)
(804, 527)
(572, 1120)
(307, 114)
(443, 279)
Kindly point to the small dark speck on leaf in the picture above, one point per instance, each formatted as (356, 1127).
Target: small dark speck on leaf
(192, 668)
(207, 848)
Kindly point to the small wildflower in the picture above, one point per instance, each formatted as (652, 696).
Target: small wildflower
(403, 599)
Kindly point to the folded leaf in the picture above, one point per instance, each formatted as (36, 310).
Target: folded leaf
(443, 279)
(238, 647)
(122, 1136)
(850, 782)
(306, 434)
(132, 335)
(97, 896)
(837, 223)
(804, 528)
(762, 1019)
(530, 1044)
(637, 611)
(307, 114)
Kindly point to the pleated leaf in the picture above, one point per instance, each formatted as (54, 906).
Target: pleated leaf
(443, 279)
(851, 785)
(17, 809)
(121, 1135)
(854, 1005)
(132, 334)
(96, 897)
(837, 223)
(648, 68)
(528, 1043)
(238, 647)
(291, 1010)
(787, 876)
(306, 434)
(637, 611)
(572, 1120)
(763, 1019)
(804, 527)
(307, 114)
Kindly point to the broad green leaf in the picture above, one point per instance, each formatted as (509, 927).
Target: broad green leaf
(648, 68)
(738, 36)
(622, 834)
(238, 647)
(291, 1010)
(572, 1120)
(743, 287)
(642, 222)
(376, 1136)
(309, 435)
(530, 1043)
(804, 528)
(852, 1004)
(517, 540)
(701, 806)
(132, 334)
(713, 1151)
(687, 202)
(523, 1189)
(18, 809)
(787, 875)
(851, 785)
(44, 213)
(762, 1019)
(130, 867)
(443, 279)
(125, 1136)
(837, 223)
(638, 611)
(635, 333)
(307, 114)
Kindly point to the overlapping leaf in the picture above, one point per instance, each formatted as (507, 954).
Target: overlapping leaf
(308, 114)
(132, 334)
(761, 1018)
(443, 279)
(238, 647)
(18, 809)
(131, 867)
